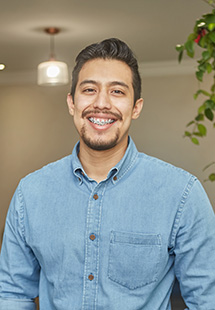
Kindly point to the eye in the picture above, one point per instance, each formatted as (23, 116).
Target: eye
(89, 90)
(118, 92)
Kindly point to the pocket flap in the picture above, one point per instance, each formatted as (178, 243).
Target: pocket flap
(135, 238)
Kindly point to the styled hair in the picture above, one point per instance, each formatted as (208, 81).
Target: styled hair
(108, 49)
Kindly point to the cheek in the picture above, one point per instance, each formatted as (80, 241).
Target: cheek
(126, 109)
(81, 105)
(78, 108)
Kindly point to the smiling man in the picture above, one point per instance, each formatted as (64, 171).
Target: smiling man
(107, 227)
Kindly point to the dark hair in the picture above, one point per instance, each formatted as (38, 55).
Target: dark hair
(108, 49)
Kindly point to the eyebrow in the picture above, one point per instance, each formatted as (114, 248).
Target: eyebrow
(119, 83)
(113, 83)
(88, 82)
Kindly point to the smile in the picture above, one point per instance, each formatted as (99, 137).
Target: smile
(101, 122)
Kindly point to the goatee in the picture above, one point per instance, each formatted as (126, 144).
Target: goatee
(98, 144)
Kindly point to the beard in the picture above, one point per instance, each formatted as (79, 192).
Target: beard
(98, 144)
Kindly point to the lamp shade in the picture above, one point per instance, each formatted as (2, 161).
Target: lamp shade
(52, 73)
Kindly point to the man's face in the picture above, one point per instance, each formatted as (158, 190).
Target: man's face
(103, 104)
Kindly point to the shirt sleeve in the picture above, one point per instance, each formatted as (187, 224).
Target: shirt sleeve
(195, 249)
(19, 268)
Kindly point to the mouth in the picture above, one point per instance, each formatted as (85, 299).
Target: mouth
(101, 121)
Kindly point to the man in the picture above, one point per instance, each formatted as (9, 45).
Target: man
(107, 227)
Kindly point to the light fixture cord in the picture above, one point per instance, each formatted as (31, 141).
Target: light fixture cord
(52, 47)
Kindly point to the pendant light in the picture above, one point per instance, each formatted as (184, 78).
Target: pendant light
(52, 72)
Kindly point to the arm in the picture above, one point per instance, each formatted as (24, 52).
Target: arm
(195, 249)
(19, 269)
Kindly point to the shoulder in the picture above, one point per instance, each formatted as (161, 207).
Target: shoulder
(163, 172)
(159, 164)
(49, 173)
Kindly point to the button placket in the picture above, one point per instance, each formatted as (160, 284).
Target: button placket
(92, 247)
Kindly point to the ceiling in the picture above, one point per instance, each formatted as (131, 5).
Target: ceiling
(151, 28)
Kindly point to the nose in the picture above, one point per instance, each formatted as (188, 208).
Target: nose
(102, 101)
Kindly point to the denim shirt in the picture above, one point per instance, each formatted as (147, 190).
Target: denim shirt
(115, 245)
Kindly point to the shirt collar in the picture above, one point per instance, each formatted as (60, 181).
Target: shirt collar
(117, 172)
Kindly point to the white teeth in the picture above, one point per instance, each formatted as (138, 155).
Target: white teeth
(100, 122)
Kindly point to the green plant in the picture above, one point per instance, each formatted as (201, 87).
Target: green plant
(203, 36)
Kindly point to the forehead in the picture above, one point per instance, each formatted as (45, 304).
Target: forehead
(105, 71)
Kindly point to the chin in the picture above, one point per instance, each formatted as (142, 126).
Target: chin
(100, 143)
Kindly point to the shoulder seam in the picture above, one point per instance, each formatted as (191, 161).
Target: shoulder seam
(179, 212)
(21, 210)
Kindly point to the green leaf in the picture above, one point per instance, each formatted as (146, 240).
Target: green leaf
(212, 35)
(187, 134)
(195, 96)
(211, 27)
(210, 47)
(209, 104)
(192, 36)
(190, 123)
(213, 88)
(202, 67)
(189, 46)
(213, 125)
(199, 117)
(212, 177)
(202, 129)
(198, 134)
(209, 67)
(206, 55)
(201, 109)
(203, 42)
(209, 19)
(209, 114)
(213, 98)
(195, 141)
(204, 92)
(201, 91)
(199, 75)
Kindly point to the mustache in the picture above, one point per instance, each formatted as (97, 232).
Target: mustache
(115, 114)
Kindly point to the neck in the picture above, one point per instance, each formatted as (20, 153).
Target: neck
(97, 164)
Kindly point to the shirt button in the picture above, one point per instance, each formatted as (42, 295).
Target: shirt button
(95, 196)
(91, 277)
(115, 178)
(92, 237)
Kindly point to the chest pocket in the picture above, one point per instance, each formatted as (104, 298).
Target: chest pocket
(134, 258)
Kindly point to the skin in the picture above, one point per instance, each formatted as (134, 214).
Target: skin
(104, 95)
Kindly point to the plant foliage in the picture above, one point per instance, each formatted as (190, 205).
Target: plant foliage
(203, 36)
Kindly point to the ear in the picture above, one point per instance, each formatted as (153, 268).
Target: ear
(137, 108)
(70, 104)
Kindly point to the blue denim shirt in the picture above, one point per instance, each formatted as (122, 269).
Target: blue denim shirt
(115, 245)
